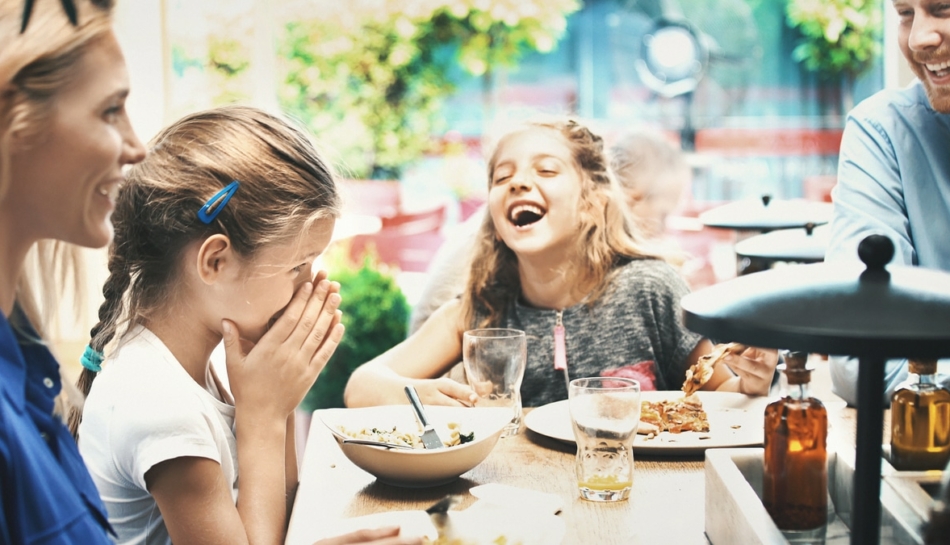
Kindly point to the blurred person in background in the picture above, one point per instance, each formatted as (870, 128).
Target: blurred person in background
(894, 168)
(653, 174)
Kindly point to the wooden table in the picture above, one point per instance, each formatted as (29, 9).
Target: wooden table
(665, 506)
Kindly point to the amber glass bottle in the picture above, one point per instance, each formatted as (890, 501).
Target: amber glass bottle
(795, 484)
(920, 420)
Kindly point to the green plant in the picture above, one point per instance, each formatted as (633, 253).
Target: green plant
(839, 37)
(375, 314)
(370, 77)
(227, 67)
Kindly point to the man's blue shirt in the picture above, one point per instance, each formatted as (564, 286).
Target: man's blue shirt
(46, 493)
(893, 179)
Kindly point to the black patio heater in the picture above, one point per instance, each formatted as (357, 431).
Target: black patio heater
(870, 311)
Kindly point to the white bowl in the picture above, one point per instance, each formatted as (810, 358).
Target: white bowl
(418, 467)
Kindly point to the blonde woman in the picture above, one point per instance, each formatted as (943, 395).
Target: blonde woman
(557, 250)
(64, 138)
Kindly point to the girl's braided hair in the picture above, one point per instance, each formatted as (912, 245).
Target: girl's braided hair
(285, 186)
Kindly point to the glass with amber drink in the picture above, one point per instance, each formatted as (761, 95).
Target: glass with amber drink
(605, 413)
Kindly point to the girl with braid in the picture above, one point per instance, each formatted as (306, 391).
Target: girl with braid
(215, 234)
(557, 250)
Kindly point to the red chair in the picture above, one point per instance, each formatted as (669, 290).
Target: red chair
(427, 221)
(699, 243)
(469, 206)
(818, 188)
(406, 241)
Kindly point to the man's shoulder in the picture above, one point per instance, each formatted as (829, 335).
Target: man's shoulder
(887, 102)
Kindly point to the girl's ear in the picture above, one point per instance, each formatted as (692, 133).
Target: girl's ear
(22, 140)
(633, 195)
(215, 255)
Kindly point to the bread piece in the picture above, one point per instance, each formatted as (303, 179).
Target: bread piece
(700, 372)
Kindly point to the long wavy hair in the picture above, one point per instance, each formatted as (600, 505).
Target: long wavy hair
(605, 237)
(285, 186)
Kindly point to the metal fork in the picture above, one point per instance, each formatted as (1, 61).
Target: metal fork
(375, 443)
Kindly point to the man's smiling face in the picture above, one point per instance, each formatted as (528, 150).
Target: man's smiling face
(924, 38)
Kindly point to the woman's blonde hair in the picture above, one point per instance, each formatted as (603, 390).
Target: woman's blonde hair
(36, 64)
(605, 238)
(285, 186)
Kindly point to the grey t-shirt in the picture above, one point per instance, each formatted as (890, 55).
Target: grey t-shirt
(636, 319)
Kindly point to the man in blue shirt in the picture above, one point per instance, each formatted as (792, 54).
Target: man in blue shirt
(894, 167)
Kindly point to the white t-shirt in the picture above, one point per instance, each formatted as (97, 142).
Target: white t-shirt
(143, 409)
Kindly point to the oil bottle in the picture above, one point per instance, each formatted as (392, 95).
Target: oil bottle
(795, 479)
(920, 420)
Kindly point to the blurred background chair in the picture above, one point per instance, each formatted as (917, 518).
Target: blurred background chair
(405, 240)
(818, 188)
(379, 198)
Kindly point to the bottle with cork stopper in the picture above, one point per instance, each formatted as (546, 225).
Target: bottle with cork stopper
(920, 420)
(795, 478)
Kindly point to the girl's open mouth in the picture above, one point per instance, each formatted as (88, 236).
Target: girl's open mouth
(525, 214)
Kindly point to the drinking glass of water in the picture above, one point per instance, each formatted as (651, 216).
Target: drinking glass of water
(605, 413)
(494, 361)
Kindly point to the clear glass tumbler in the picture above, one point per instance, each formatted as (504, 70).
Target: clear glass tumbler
(494, 360)
(605, 413)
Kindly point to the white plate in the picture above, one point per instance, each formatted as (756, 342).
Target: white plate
(735, 420)
(481, 524)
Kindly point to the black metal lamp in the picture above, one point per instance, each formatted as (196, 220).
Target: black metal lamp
(673, 60)
(873, 313)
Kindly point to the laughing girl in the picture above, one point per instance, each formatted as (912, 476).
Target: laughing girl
(557, 250)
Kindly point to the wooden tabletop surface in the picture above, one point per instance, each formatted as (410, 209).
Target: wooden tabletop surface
(665, 506)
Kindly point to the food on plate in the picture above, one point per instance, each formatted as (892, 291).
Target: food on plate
(452, 435)
(701, 371)
(686, 413)
(674, 416)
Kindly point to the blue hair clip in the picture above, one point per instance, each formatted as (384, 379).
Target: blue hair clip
(215, 204)
(91, 359)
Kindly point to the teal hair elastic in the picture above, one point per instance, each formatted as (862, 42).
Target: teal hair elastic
(91, 359)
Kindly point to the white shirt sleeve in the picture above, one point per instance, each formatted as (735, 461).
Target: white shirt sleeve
(158, 428)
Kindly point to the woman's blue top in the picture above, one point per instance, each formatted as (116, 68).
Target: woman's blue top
(46, 493)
